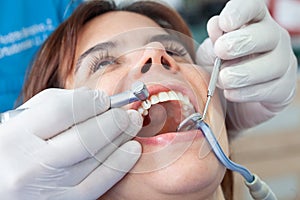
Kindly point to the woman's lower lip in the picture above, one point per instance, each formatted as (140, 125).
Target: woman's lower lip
(170, 138)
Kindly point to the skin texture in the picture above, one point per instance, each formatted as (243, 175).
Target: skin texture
(177, 172)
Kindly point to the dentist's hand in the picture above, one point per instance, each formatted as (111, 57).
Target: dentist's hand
(260, 70)
(66, 145)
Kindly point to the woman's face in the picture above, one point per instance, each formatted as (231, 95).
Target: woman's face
(118, 48)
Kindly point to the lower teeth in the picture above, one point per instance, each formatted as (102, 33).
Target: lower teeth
(155, 121)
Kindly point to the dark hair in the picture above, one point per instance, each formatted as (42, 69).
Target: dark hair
(55, 59)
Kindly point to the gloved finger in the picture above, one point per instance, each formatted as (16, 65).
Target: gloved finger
(47, 94)
(116, 143)
(88, 138)
(279, 90)
(56, 110)
(73, 175)
(256, 69)
(237, 13)
(213, 29)
(255, 38)
(107, 174)
(82, 169)
(205, 55)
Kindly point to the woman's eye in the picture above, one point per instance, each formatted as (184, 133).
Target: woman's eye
(172, 53)
(104, 63)
(176, 50)
(101, 64)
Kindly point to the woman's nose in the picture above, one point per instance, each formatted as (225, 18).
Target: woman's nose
(155, 54)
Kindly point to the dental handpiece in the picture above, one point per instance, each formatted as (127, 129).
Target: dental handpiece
(138, 92)
(212, 84)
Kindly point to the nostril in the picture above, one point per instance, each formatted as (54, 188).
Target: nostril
(165, 63)
(146, 66)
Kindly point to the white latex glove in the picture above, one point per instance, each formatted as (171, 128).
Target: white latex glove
(259, 73)
(45, 156)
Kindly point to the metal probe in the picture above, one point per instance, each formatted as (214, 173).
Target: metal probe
(191, 121)
(138, 92)
(212, 84)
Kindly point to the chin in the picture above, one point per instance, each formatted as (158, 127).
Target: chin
(187, 177)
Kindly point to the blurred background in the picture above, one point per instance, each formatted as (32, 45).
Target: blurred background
(272, 149)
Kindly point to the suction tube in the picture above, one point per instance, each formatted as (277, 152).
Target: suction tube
(258, 189)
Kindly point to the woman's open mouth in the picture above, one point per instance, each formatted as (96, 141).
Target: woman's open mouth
(163, 111)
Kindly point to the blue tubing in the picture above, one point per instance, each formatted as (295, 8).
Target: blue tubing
(210, 137)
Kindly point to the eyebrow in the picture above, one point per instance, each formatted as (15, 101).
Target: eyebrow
(167, 38)
(98, 47)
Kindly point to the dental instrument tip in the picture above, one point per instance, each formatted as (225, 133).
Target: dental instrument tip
(140, 90)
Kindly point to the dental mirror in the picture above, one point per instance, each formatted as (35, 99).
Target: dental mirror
(189, 123)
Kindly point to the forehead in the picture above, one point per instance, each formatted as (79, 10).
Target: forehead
(111, 24)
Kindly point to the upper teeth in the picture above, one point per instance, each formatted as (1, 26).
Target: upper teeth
(167, 96)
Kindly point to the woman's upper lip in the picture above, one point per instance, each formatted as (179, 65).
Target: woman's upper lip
(157, 88)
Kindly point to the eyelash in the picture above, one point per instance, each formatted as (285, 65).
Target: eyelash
(101, 61)
(174, 49)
